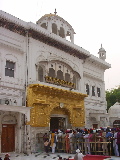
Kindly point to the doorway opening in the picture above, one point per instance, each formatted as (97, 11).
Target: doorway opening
(95, 126)
(8, 138)
(57, 123)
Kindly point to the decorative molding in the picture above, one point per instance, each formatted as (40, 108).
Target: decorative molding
(59, 82)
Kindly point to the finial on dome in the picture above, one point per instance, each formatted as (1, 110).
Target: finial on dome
(55, 11)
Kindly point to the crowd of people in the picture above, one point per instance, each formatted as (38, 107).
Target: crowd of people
(103, 141)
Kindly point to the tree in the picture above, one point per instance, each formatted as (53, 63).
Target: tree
(112, 96)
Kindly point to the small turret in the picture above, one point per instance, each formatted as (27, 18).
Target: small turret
(102, 53)
(57, 25)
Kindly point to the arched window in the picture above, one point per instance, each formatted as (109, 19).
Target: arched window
(98, 92)
(54, 28)
(67, 77)
(68, 35)
(60, 75)
(61, 32)
(87, 89)
(51, 72)
(93, 90)
(40, 74)
(44, 25)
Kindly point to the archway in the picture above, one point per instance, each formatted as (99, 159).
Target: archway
(59, 119)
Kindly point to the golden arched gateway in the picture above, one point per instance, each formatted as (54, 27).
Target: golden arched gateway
(46, 100)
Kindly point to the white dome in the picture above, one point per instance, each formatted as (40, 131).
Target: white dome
(114, 110)
(101, 49)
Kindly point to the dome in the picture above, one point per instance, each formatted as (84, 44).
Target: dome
(49, 15)
(101, 49)
(114, 110)
(102, 53)
(57, 25)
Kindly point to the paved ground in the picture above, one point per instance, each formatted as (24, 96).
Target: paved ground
(43, 156)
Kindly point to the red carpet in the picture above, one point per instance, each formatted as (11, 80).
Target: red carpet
(95, 157)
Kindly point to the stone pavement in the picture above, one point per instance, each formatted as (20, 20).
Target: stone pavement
(43, 156)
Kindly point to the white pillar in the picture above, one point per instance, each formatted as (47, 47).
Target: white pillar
(28, 143)
(19, 133)
(72, 37)
(49, 27)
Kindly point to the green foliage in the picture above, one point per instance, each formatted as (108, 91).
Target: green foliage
(112, 96)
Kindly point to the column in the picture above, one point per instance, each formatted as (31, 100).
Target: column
(55, 69)
(27, 139)
(19, 133)
(72, 37)
(28, 144)
(37, 72)
(49, 26)
(63, 72)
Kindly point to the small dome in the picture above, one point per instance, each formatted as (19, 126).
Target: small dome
(101, 49)
(57, 25)
(102, 53)
(114, 110)
(49, 15)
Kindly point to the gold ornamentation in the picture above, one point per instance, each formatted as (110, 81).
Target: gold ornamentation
(46, 100)
(59, 81)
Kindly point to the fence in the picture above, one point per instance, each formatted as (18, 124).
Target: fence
(96, 147)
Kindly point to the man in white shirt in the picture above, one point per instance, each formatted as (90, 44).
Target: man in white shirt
(87, 144)
(78, 155)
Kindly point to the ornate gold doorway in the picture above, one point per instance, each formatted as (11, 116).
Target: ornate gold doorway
(57, 123)
(47, 100)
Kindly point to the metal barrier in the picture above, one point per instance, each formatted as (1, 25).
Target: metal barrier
(97, 147)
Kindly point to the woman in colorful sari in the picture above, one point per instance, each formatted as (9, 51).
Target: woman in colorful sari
(67, 143)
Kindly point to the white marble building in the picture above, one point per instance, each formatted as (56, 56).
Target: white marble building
(28, 53)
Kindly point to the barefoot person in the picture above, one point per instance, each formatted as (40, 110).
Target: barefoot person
(46, 145)
(78, 155)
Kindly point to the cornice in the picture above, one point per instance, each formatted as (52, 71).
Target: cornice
(92, 76)
(18, 26)
(97, 61)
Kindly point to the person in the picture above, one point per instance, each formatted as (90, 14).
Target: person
(59, 137)
(79, 137)
(53, 141)
(45, 137)
(91, 138)
(115, 146)
(63, 141)
(71, 140)
(99, 140)
(118, 141)
(78, 155)
(108, 138)
(60, 158)
(67, 142)
(0, 158)
(86, 144)
(104, 145)
(7, 157)
(46, 145)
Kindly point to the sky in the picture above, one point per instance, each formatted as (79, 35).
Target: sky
(95, 22)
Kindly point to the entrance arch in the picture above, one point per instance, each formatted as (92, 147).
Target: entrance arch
(59, 118)
(58, 122)
(48, 100)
